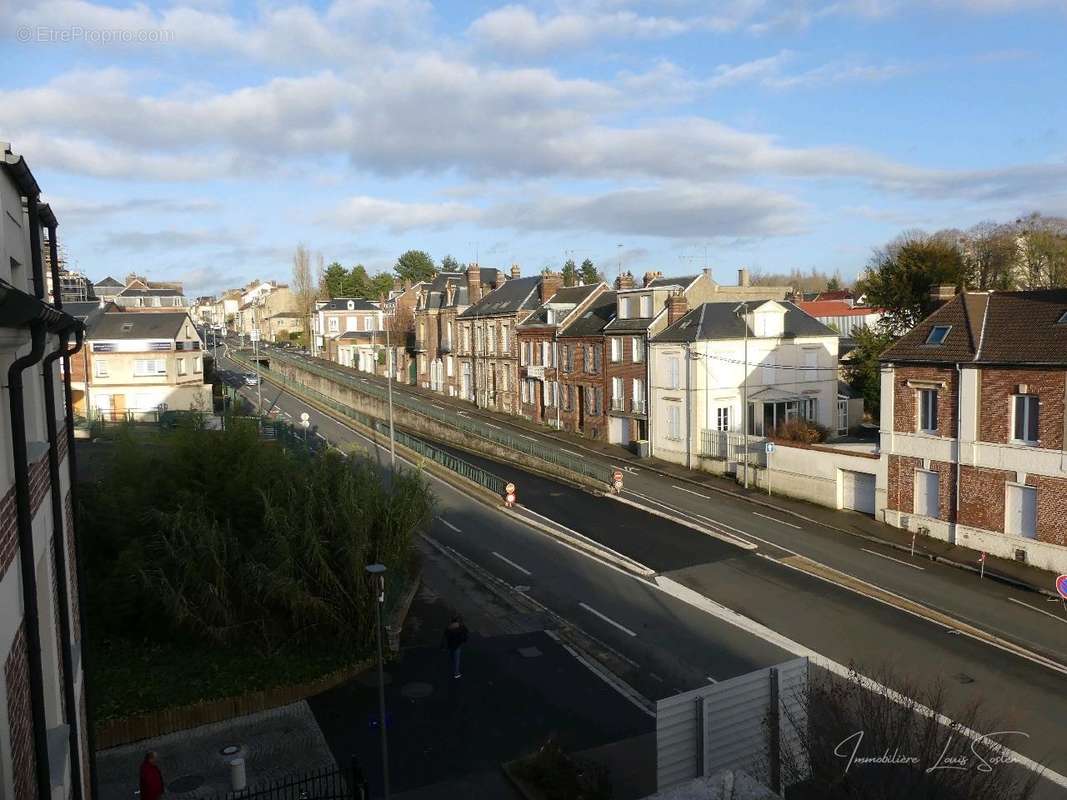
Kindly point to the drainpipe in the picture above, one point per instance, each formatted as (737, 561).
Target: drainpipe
(76, 566)
(26, 551)
(959, 448)
(59, 555)
(688, 404)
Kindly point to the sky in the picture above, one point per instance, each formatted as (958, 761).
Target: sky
(203, 140)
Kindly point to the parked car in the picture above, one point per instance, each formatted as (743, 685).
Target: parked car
(251, 380)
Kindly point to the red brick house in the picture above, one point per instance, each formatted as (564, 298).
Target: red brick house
(581, 368)
(973, 410)
(541, 393)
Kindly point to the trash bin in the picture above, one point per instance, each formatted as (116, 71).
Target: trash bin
(641, 448)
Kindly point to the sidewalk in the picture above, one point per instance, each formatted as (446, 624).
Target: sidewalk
(1023, 576)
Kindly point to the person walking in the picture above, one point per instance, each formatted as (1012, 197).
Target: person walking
(151, 777)
(454, 639)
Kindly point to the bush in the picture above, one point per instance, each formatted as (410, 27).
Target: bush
(559, 776)
(801, 430)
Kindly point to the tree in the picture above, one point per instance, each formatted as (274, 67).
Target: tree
(357, 283)
(588, 274)
(990, 254)
(1043, 252)
(415, 266)
(570, 273)
(333, 280)
(899, 278)
(449, 264)
(833, 284)
(305, 290)
(862, 368)
(379, 286)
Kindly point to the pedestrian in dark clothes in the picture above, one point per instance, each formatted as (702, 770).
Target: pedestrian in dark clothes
(151, 777)
(454, 639)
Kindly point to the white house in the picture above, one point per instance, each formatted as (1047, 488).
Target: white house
(698, 367)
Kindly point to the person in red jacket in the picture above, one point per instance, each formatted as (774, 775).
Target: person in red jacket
(151, 777)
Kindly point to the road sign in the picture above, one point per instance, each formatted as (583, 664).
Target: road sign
(769, 447)
(509, 489)
(1061, 586)
(255, 335)
(616, 476)
(305, 416)
(306, 423)
(617, 485)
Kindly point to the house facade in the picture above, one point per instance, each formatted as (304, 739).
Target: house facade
(332, 318)
(541, 391)
(137, 363)
(581, 367)
(973, 425)
(703, 368)
(487, 356)
(842, 315)
(44, 718)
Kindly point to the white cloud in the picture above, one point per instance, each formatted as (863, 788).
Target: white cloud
(360, 213)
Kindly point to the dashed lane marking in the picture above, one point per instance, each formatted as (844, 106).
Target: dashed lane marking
(890, 558)
(508, 561)
(449, 524)
(779, 521)
(1038, 610)
(606, 619)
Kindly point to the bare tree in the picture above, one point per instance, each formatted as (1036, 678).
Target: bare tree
(305, 287)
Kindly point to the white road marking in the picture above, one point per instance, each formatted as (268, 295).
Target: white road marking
(608, 620)
(1056, 617)
(779, 521)
(491, 425)
(523, 570)
(689, 491)
(437, 406)
(321, 436)
(524, 436)
(711, 679)
(463, 413)
(565, 450)
(449, 524)
(890, 558)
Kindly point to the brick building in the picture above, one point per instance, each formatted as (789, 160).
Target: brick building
(973, 410)
(45, 734)
(438, 304)
(581, 368)
(488, 352)
(542, 394)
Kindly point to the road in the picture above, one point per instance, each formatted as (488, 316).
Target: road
(671, 645)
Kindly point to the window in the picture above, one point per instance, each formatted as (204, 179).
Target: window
(149, 366)
(490, 337)
(926, 493)
(181, 366)
(673, 368)
(546, 354)
(1025, 411)
(567, 394)
(674, 421)
(351, 323)
(637, 346)
(524, 353)
(842, 416)
(526, 391)
(505, 344)
(332, 325)
(638, 396)
(629, 307)
(448, 365)
(646, 305)
(722, 418)
(928, 410)
(100, 368)
(568, 358)
(938, 334)
(616, 349)
(368, 323)
(618, 394)
(103, 347)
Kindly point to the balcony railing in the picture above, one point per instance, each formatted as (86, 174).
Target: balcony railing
(639, 406)
(618, 404)
(445, 346)
(419, 346)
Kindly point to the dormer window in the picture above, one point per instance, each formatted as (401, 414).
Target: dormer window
(351, 305)
(938, 334)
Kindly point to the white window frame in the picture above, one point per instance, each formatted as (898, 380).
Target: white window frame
(646, 306)
(673, 372)
(100, 369)
(181, 366)
(139, 372)
(922, 401)
(637, 347)
(722, 418)
(615, 352)
(674, 421)
(333, 325)
(1030, 400)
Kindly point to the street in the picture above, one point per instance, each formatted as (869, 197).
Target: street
(673, 646)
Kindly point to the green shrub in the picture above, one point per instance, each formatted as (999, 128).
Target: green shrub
(560, 776)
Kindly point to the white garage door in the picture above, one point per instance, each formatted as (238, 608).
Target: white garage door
(857, 491)
(617, 430)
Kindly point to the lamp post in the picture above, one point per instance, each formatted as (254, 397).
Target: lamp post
(377, 573)
(389, 384)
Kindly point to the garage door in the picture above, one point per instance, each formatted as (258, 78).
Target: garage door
(618, 430)
(857, 491)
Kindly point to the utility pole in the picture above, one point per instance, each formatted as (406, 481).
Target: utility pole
(744, 393)
(389, 383)
(377, 573)
(255, 357)
(618, 249)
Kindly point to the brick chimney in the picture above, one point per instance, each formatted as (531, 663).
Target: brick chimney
(474, 282)
(551, 282)
(677, 307)
(651, 276)
(742, 277)
(625, 281)
(515, 271)
(942, 293)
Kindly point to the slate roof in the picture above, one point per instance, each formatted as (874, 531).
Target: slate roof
(357, 335)
(720, 321)
(1005, 328)
(341, 304)
(163, 325)
(517, 294)
(670, 280)
(110, 283)
(572, 295)
(593, 320)
(151, 293)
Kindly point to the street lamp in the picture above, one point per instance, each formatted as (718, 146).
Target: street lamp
(389, 383)
(377, 573)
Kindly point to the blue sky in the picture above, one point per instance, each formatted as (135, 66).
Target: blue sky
(218, 135)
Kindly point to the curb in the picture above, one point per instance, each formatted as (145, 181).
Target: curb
(736, 542)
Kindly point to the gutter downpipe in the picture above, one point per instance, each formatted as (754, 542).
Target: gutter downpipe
(24, 515)
(688, 406)
(59, 557)
(959, 447)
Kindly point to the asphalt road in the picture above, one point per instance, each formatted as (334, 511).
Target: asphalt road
(674, 646)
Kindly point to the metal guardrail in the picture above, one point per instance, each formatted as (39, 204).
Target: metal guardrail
(454, 419)
(482, 477)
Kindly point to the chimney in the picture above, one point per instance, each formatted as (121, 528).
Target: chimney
(625, 281)
(942, 293)
(707, 274)
(651, 276)
(677, 306)
(742, 277)
(407, 284)
(474, 282)
(515, 271)
(550, 284)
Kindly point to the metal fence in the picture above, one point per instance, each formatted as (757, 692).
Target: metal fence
(731, 446)
(436, 454)
(454, 419)
(323, 784)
